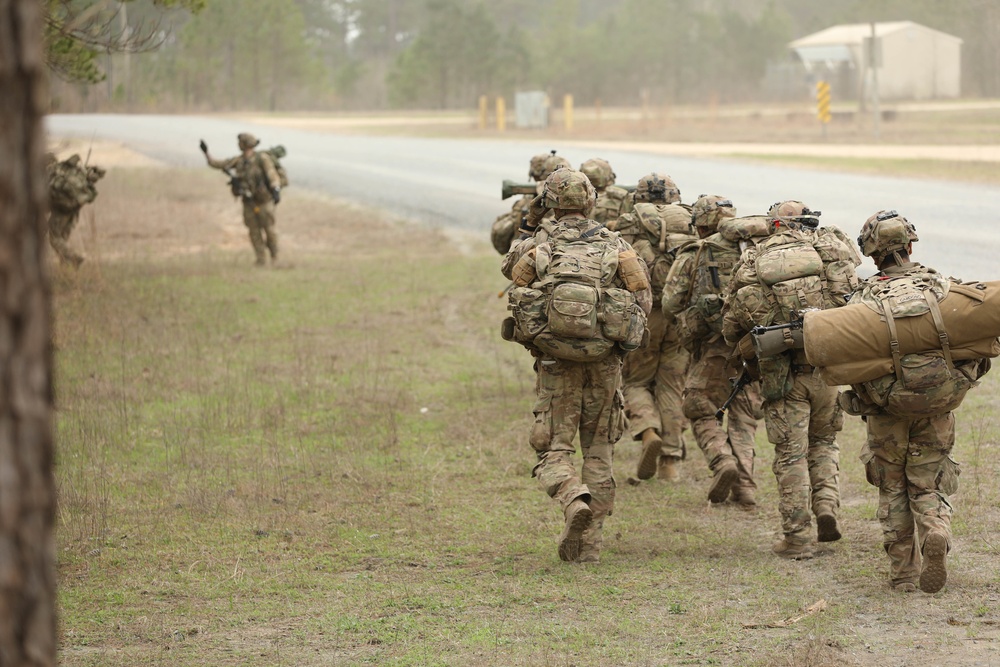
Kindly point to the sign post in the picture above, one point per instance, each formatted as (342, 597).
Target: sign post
(823, 104)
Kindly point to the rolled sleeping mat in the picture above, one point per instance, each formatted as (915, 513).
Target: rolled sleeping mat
(856, 333)
(853, 372)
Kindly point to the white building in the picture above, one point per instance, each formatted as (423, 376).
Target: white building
(917, 62)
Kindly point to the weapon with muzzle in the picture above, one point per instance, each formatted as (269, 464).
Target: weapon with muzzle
(237, 185)
(743, 380)
(511, 188)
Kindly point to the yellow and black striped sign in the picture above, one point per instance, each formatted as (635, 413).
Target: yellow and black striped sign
(823, 101)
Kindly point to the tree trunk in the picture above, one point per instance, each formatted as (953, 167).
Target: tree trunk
(27, 488)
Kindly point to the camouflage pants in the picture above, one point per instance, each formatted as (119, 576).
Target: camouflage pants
(61, 224)
(706, 389)
(908, 460)
(582, 398)
(803, 427)
(259, 219)
(654, 381)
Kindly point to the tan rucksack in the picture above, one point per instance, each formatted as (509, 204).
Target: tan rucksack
(656, 231)
(712, 264)
(573, 310)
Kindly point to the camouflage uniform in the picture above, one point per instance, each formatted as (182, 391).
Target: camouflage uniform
(699, 275)
(610, 198)
(800, 411)
(908, 458)
(71, 186)
(654, 374)
(574, 397)
(260, 194)
(505, 227)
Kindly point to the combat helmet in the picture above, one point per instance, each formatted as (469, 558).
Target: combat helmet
(793, 213)
(569, 190)
(657, 188)
(599, 172)
(536, 169)
(886, 232)
(246, 140)
(553, 162)
(709, 210)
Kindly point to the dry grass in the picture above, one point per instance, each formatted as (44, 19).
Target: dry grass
(326, 464)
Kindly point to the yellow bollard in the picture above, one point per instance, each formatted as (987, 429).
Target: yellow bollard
(568, 112)
(483, 111)
(501, 114)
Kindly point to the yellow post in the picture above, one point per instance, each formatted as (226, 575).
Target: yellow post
(823, 103)
(568, 112)
(483, 111)
(501, 114)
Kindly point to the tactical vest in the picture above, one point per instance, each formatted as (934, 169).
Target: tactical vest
(575, 308)
(922, 384)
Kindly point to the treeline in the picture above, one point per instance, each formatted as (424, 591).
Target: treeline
(385, 54)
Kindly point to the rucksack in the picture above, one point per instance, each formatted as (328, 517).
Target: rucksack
(69, 188)
(276, 153)
(609, 204)
(656, 231)
(922, 384)
(573, 310)
(712, 267)
(784, 275)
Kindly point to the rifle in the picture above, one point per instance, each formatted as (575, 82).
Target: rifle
(237, 185)
(743, 380)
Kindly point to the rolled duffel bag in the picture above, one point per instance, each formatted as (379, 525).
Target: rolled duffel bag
(855, 333)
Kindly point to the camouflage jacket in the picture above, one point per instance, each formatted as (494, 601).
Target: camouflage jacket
(257, 172)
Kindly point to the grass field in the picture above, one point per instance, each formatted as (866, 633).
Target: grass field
(325, 463)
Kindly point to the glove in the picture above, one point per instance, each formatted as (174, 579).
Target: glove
(203, 146)
(276, 195)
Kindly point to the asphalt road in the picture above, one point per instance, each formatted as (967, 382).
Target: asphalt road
(456, 183)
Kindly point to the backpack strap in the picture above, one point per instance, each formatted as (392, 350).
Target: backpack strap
(893, 343)
(939, 323)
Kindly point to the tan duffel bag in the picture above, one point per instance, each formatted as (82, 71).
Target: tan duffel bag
(855, 334)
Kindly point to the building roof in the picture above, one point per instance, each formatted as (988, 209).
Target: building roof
(853, 34)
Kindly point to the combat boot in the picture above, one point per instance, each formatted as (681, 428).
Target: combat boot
(725, 474)
(827, 529)
(578, 517)
(934, 572)
(745, 497)
(792, 551)
(651, 446)
(669, 469)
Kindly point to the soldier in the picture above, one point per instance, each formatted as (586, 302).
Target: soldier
(610, 199)
(257, 183)
(559, 270)
(797, 267)
(71, 185)
(654, 375)
(693, 294)
(908, 454)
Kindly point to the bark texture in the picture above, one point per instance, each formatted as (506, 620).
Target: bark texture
(27, 489)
